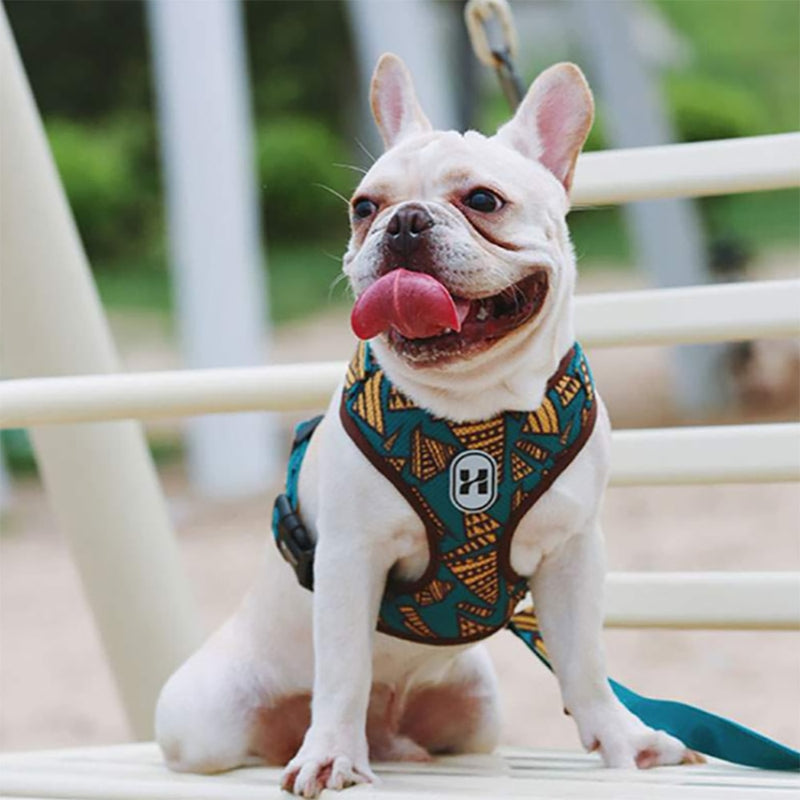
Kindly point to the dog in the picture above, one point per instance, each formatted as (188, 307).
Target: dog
(463, 270)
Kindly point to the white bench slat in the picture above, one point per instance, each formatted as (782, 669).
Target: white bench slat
(511, 772)
(726, 166)
(703, 600)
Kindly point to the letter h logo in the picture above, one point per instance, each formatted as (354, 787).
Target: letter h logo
(473, 481)
(466, 481)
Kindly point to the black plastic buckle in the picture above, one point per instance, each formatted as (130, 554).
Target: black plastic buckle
(294, 542)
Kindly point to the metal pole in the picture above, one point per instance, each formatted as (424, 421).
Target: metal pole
(667, 234)
(212, 204)
(99, 478)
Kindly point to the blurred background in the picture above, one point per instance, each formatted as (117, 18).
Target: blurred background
(103, 75)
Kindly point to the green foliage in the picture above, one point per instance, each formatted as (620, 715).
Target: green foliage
(305, 278)
(302, 60)
(83, 59)
(114, 203)
(744, 66)
(18, 452)
(142, 284)
(759, 220)
(599, 237)
(734, 112)
(296, 158)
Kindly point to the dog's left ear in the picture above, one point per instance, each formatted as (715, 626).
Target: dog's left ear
(394, 103)
(553, 120)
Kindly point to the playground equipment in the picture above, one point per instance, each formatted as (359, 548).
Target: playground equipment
(106, 497)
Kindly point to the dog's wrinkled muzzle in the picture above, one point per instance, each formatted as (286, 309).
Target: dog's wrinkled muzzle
(413, 303)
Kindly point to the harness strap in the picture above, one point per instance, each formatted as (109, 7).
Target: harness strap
(697, 729)
(291, 535)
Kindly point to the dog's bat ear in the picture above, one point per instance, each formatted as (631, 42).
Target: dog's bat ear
(394, 103)
(553, 120)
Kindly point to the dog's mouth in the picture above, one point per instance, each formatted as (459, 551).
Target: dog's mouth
(485, 320)
(425, 324)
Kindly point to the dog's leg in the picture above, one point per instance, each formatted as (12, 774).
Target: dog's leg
(460, 713)
(246, 692)
(568, 591)
(349, 576)
(205, 712)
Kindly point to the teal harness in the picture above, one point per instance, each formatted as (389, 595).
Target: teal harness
(470, 484)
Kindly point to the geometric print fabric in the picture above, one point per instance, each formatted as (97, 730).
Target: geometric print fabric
(469, 589)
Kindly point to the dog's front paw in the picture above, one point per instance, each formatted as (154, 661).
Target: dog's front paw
(327, 764)
(625, 742)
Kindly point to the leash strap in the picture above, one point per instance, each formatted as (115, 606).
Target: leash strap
(697, 729)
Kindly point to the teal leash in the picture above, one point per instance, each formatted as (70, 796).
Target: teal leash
(699, 730)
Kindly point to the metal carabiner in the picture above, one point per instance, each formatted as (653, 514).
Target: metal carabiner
(494, 41)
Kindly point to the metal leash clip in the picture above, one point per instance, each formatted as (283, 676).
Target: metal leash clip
(494, 42)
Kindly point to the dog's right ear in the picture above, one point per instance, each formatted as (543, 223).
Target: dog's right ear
(394, 103)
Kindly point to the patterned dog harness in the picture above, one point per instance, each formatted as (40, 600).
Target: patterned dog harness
(470, 484)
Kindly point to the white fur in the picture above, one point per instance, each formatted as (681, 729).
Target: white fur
(283, 642)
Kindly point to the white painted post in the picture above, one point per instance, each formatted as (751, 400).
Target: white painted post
(667, 234)
(100, 480)
(419, 32)
(212, 205)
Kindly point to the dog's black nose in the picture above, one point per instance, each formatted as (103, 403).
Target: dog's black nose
(405, 228)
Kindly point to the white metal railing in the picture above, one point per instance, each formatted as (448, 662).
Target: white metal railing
(709, 600)
(690, 315)
(148, 395)
(727, 312)
(716, 454)
(688, 170)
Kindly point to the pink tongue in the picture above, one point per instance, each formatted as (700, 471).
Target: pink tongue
(415, 304)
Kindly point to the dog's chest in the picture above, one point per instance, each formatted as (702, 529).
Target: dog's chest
(469, 484)
(559, 512)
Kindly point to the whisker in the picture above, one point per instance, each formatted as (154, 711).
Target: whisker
(353, 167)
(363, 147)
(335, 284)
(333, 192)
(333, 257)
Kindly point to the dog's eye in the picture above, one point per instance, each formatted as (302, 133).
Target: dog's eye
(363, 208)
(483, 200)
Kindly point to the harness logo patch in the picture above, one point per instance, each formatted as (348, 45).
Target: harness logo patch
(473, 481)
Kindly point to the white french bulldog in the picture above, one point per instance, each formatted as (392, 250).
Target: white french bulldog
(464, 272)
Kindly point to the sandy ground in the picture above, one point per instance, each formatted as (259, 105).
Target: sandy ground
(55, 688)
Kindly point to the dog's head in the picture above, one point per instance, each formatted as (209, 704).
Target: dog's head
(460, 254)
